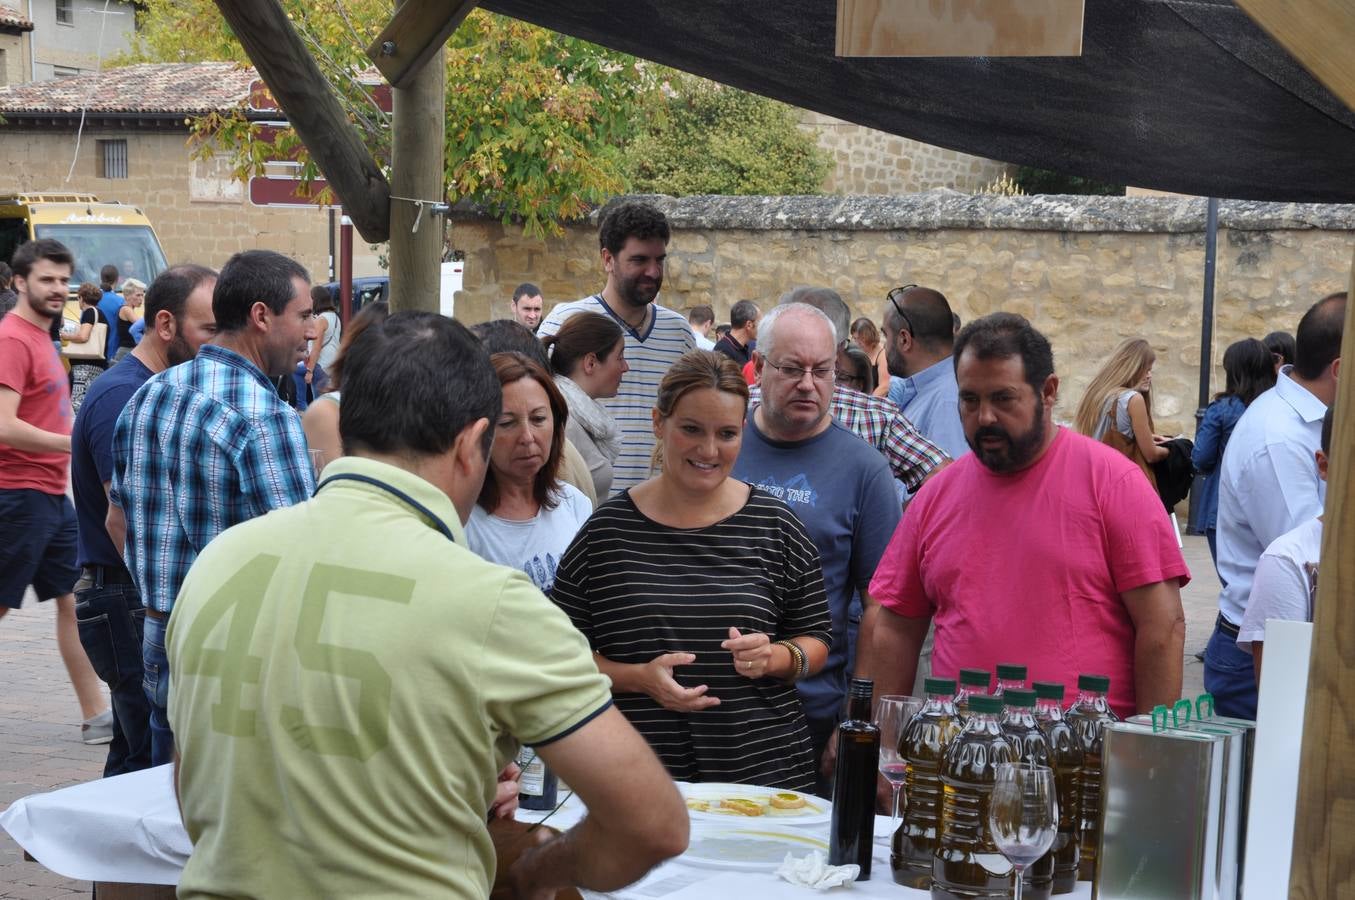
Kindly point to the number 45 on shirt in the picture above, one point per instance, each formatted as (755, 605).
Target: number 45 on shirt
(238, 602)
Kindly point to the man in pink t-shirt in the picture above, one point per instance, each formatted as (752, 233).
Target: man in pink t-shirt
(1041, 547)
(37, 520)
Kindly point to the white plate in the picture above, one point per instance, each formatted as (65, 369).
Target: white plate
(761, 849)
(816, 810)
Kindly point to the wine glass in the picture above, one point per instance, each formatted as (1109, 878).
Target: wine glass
(1023, 815)
(317, 462)
(893, 712)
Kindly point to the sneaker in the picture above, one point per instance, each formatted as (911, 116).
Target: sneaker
(99, 729)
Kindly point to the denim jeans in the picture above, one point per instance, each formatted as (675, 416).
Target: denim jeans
(156, 685)
(1230, 676)
(110, 620)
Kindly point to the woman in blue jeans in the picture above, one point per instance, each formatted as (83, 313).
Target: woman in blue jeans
(1249, 372)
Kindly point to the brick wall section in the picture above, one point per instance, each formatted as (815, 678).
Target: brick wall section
(162, 181)
(1089, 272)
(866, 161)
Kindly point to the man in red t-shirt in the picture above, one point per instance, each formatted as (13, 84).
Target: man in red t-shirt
(1041, 547)
(37, 520)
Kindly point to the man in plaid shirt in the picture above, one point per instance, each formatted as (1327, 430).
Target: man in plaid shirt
(209, 444)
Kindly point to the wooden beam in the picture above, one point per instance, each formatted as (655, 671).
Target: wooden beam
(959, 27)
(312, 108)
(418, 29)
(1324, 826)
(1318, 33)
(418, 172)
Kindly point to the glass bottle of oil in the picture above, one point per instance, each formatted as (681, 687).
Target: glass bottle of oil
(967, 864)
(1067, 761)
(923, 748)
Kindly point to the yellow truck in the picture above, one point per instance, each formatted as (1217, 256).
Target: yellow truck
(97, 233)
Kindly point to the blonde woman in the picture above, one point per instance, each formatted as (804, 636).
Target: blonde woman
(133, 300)
(1117, 408)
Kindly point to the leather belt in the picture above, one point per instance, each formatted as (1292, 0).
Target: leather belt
(156, 614)
(102, 575)
(1226, 627)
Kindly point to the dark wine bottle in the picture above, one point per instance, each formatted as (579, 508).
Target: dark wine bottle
(852, 838)
(538, 785)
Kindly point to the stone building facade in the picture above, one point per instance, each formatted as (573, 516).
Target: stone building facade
(1088, 271)
(866, 161)
(15, 61)
(73, 37)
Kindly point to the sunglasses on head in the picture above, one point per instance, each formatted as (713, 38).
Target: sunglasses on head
(895, 296)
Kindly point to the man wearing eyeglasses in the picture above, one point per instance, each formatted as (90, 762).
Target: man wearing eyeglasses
(919, 337)
(836, 483)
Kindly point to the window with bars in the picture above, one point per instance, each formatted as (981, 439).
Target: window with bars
(65, 12)
(113, 159)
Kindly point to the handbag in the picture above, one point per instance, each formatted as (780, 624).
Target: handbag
(91, 350)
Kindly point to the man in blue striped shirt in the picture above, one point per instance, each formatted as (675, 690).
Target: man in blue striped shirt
(208, 444)
(634, 243)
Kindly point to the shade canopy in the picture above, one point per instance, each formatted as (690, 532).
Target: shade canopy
(1190, 96)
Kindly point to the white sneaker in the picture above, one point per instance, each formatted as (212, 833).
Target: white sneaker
(98, 729)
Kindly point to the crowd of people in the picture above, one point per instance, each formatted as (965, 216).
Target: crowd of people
(602, 534)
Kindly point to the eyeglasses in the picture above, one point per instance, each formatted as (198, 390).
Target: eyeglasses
(894, 296)
(796, 373)
(848, 377)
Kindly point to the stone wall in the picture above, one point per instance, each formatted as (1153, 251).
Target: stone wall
(199, 212)
(1088, 271)
(866, 161)
(13, 58)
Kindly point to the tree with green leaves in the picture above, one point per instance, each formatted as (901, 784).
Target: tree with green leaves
(535, 120)
(712, 139)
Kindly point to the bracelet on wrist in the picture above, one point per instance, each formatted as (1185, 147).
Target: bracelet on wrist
(799, 663)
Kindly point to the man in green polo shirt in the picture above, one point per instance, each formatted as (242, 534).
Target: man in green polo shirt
(350, 678)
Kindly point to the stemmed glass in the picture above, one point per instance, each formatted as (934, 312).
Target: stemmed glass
(1023, 815)
(893, 712)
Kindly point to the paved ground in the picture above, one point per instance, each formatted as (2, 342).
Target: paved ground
(40, 747)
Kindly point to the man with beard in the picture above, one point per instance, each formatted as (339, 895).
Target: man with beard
(1041, 547)
(209, 444)
(108, 607)
(37, 522)
(919, 336)
(634, 243)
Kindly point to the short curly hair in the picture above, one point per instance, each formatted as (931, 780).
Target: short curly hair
(630, 219)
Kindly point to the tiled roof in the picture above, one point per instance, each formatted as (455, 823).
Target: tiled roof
(12, 18)
(145, 89)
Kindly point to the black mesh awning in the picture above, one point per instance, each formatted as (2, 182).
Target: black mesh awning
(1178, 95)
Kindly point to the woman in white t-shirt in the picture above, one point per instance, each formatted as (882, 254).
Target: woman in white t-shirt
(588, 357)
(526, 516)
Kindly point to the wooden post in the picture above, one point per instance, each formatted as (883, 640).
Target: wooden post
(294, 79)
(1324, 828)
(418, 29)
(417, 172)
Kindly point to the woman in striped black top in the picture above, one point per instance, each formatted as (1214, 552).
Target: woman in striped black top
(702, 597)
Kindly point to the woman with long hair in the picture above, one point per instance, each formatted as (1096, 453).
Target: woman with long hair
(867, 337)
(320, 421)
(702, 596)
(1117, 408)
(1249, 371)
(588, 357)
(84, 371)
(526, 516)
(328, 335)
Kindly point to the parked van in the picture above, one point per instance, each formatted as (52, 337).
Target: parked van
(96, 233)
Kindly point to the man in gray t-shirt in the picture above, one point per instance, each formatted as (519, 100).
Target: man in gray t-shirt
(836, 483)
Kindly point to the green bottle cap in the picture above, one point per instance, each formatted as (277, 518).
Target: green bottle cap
(985, 703)
(1010, 672)
(975, 678)
(1048, 690)
(939, 685)
(1018, 697)
(1098, 683)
